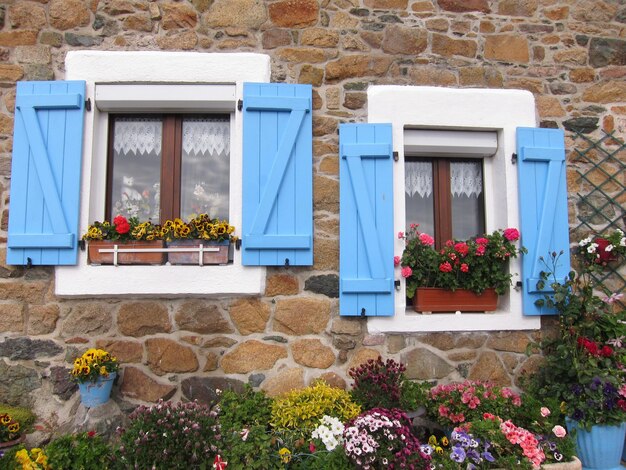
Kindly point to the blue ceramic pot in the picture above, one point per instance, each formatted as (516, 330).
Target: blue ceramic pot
(96, 393)
(600, 448)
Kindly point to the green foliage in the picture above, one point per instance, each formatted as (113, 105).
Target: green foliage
(377, 384)
(413, 395)
(83, 451)
(303, 409)
(185, 435)
(7, 460)
(247, 442)
(323, 460)
(24, 416)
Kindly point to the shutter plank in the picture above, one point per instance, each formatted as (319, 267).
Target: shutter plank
(366, 220)
(543, 210)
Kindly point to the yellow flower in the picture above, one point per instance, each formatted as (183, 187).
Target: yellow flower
(15, 427)
(5, 419)
(103, 371)
(439, 450)
(432, 440)
(444, 441)
(285, 455)
(563, 407)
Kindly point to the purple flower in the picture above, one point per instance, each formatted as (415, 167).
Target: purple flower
(488, 457)
(458, 454)
(578, 415)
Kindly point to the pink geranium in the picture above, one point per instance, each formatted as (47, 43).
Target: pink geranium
(511, 234)
(406, 272)
(396, 261)
(445, 267)
(426, 239)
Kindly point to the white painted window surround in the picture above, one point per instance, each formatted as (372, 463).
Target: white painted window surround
(179, 81)
(434, 108)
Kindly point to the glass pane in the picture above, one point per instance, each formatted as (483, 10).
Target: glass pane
(468, 212)
(136, 167)
(418, 195)
(205, 169)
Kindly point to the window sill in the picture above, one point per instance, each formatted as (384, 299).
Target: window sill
(169, 281)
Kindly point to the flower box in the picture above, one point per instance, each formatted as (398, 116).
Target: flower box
(213, 252)
(439, 300)
(129, 252)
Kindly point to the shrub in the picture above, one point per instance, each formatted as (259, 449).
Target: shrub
(303, 409)
(246, 438)
(182, 434)
(75, 451)
(8, 460)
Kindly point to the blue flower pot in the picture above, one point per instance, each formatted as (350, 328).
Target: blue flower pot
(96, 393)
(600, 448)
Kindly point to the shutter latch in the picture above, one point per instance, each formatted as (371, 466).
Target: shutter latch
(396, 156)
(238, 244)
(239, 105)
(286, 262)
(81, 244)
(88, 104)
(363, 312)
(396, 284)
(514, 158)
(518, 286)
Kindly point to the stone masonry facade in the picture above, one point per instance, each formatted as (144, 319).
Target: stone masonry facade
(571, 54)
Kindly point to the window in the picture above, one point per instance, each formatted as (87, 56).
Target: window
(445, 197)
(460, 141)
(163, 167)
(130, 84)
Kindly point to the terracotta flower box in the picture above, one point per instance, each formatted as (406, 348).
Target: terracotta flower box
(137, 256)
(213, 252)
(438, 300)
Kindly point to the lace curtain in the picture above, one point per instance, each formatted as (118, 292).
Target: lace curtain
(138, 136)
(465, 179)
(208, 137)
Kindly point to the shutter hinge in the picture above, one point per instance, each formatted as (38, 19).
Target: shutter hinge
(238, 244)
(81, 244)
(363, 312)
(396, 156)
(396, 284)
(88, 104)
(518, 286)
(514, 158)
(239, 105)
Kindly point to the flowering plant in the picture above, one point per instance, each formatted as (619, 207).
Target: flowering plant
(452, 404)
(184, 435)
(584, 362)
(378, 383)
(36, 459)
(602, 249)
(475, 264)
(201, 227)
(382, 438)
(9, 428)
(92, 364)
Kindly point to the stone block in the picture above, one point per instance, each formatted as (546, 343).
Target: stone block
(274, 38)
(507, 48)
(489, 367)
(252, 356)
(606, 51)
(42, 319)
(27, 15)
(143, 318)
(294, 13)
(423, 364)
(125, 351)
(167, 356)
(137, 385)
(10, 73)
(517, 7)
(18, 38)
(285, 381)
(462, 6)
(319, 37)
(446, 46)
(361, 356)
(402, 40)
(206, 390)
(18, 385)
(301, 316)
(33, 54)
(235, 13)
(281, 284)
(68, 14)
(89, 318)
(178, 41)
(326, 254)
(202, 317)
(178, 16)
(250, 315)
(26, 349)
(353, 66)
(311, 74)
(312, 353)
(325, 194)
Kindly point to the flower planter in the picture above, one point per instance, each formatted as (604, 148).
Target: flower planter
(8, 444)
(438, 300)
(216, 252)
(93, 394)
(96, 256)
(601, 447)
(573, 464)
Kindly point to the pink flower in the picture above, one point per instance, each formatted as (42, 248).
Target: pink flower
(426, 239)
(311, 447)
(401, 235)
(482, 241)
(406, 272)
(511, 234)
(559, 431)
(464, 268)
(219, 464)
(244, 434)
(445, 267)
(461, 248)
(396, 260)
(480, 250)
(545, 412)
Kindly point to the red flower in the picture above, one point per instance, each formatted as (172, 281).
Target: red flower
(120, 219)
(122, 228)
(91, 433)
(219, 464)
(606, 351)
(461, 248)
(480, 250)
(445, 267)
(464, 268)
(511, 234)
(482, 241)
(591, 347)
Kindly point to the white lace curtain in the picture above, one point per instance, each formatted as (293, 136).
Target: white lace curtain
(208, 137)
(465, 179)
(138, 136)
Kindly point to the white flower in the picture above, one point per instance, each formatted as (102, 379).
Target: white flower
(592, 248)
(584, 241)
(609, 248)
(622, 242)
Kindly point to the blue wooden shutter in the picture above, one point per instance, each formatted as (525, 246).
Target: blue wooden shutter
(45, 173)
(277, 225)
(543, 209)
(366, 220)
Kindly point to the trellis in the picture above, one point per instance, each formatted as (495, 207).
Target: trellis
(600, 201)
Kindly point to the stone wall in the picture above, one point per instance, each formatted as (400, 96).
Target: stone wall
(571, 54)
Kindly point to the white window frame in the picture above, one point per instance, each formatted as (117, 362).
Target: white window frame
(437, 108)
(203, 70)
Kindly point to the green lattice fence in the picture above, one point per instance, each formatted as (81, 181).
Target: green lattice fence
(599, 195)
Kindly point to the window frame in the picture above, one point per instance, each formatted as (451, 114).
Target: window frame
(207, 75)
(434, 108)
